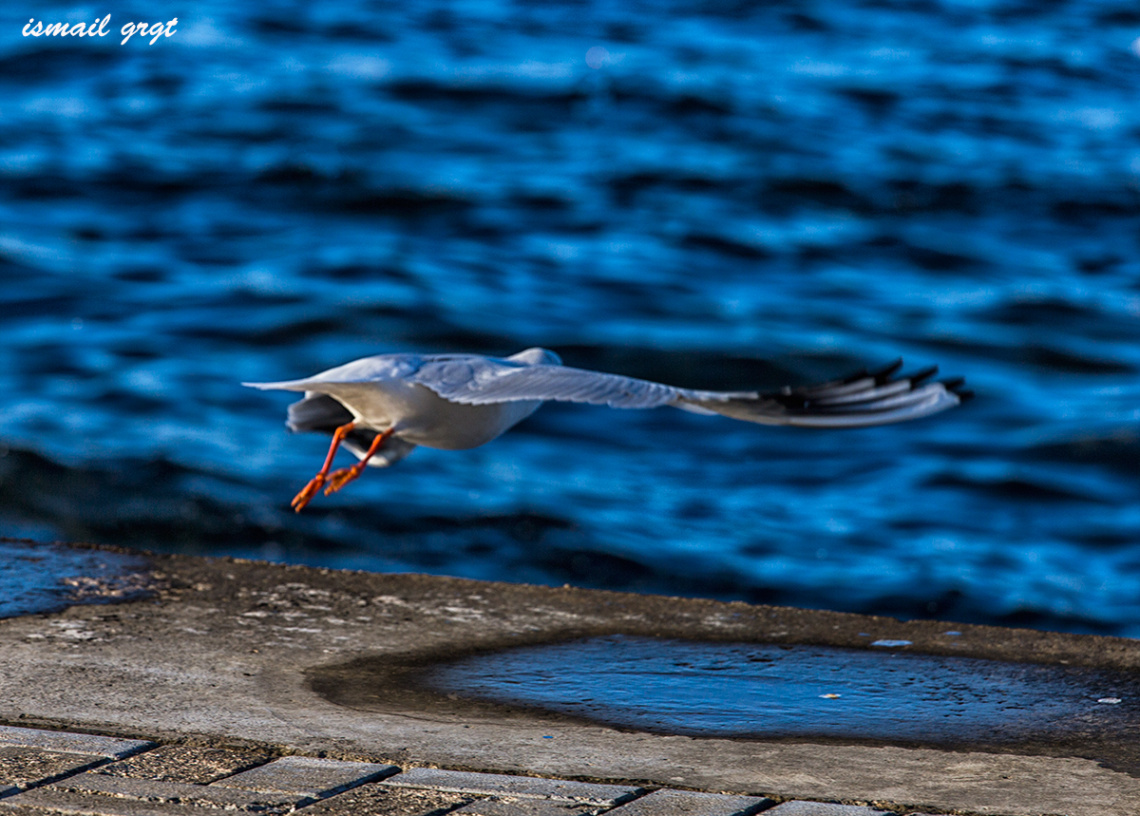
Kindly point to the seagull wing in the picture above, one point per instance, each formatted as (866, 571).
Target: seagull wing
(862, 399)
(359, 372)
(485, 380)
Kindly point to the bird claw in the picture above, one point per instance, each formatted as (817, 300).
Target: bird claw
(307, 492)
(339, 478)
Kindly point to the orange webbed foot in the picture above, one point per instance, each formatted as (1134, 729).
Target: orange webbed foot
(307, 492)
(339, 478)
(318, 481)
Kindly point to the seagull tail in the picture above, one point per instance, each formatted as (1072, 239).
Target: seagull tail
(862, 399)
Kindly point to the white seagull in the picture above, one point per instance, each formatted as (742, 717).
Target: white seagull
(381, 407)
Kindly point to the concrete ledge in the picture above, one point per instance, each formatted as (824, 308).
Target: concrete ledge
(254, 657)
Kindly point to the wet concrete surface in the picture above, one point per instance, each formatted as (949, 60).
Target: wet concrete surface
(48, 577)
(257, 657)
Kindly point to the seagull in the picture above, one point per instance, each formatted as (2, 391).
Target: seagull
(381, 407)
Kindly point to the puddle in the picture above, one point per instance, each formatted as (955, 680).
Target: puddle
(779, 691)
(38, 578)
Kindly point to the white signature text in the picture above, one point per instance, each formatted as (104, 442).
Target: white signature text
(37, 28)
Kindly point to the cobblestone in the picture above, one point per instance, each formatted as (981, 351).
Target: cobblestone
(525, 807)
(183, 763)
(70, 743)
(48, 802)
(799, 808)
(689, 803)
(315, 778)
(515, 786)
(382, 800)
(20, 767)
(181, 792)
(46, 773)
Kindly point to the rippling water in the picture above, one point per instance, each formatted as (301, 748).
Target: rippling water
(713, 194)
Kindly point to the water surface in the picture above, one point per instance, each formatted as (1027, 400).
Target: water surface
(763, 691)
(714, 195)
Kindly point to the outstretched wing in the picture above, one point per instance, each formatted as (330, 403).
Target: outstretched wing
(484, 380)
(861, 399)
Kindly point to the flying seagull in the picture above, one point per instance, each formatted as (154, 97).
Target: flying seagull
(382, 407)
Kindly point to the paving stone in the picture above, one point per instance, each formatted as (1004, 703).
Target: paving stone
(179, 792)
(526, 807)
(40, 801)
(313, 777)
(70, 743)
(183, 763)
(803, 808)
(381, 800)
(687, 803)
(514, 786)
(21, 767)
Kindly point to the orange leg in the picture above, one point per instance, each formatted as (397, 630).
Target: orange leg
(315, 484)
(339, 478)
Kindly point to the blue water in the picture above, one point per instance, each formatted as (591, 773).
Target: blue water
(710, 194)
(765, 691)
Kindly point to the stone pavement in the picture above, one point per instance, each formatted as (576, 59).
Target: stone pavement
(50, 772)
(262, 688)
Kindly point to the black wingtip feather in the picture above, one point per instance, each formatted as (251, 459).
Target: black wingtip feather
(814, 398)
(886, 372)
(918, 377)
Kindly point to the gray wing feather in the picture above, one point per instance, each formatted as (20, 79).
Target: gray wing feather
(482, 381)
(859, 400)
(366, 370)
